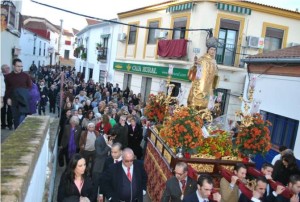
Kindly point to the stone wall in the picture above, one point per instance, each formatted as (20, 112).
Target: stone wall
(19, 156)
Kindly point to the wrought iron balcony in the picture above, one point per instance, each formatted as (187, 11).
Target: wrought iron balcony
(226, 54)
(102, 54)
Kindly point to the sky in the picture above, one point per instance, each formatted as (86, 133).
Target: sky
(106, 9)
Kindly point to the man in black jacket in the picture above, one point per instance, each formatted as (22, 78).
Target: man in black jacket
(294, 187)
(259, 192)
(126, 180)
(121, 132)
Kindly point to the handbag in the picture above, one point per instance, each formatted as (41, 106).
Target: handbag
(61, 160)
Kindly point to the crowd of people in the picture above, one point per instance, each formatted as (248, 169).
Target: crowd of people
(102, 142)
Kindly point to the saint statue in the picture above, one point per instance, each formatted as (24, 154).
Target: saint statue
(204, 77)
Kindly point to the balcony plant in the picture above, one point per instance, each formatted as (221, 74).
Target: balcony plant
(83, 56)
(98, 46)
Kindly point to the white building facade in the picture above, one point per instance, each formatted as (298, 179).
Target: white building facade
(34, 49)
(96, 51)
(11, 23)
(139, 66)
(39, 42)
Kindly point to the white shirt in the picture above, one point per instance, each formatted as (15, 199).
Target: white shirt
(276, 158)
(125, 169)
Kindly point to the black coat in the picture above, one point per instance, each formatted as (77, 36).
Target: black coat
(113, 180)
(121, 134)
(66, 193)
(134, 140)
(20, 100)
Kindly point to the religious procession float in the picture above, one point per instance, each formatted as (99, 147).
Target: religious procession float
(197, 135)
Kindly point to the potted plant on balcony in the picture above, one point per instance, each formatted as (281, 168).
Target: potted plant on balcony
(77, 50)
(98, 46)
(83, 56)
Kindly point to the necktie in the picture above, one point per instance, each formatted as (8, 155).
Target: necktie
(183, 185)
(205, 201)
(116, 161)
(129, 174)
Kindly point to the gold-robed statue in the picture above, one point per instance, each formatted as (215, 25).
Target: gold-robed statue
(204, 77)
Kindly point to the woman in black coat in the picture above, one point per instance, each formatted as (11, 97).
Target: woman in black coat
(135, 136)
(75, 184)
(285, 168)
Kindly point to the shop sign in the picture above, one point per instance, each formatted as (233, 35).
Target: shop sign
(151, 70)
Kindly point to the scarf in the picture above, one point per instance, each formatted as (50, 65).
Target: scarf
(72, 145)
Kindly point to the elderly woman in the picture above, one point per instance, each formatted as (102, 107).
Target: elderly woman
(87, 143)
(75, 184)
(70, 138)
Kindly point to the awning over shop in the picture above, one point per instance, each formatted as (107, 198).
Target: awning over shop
(181, 7)
(233, 9)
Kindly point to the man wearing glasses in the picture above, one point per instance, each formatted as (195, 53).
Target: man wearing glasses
(18, 84)
(180, 185)
(125, 181)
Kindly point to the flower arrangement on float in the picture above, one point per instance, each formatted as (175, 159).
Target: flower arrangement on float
(183, 130)
(156, 107)
(218, 144)
(255, 138)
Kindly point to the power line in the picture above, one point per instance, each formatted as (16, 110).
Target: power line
(209, 31)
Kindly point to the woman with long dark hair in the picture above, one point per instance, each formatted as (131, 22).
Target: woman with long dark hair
(75, 184)
(285, 168)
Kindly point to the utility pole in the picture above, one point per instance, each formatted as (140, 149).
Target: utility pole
(59, 39)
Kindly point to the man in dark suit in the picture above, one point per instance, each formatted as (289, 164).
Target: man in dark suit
(107, 97)
(117, 89)
(259, 192)
(135, 136)
(294, 187)
(125, 181)
(102, 147)
(204, 191)
(179, 185)
(115, 157)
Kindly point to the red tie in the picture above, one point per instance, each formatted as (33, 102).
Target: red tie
(129, 174)
(183, 185)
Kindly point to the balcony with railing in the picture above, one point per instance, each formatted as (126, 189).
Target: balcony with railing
(226, 54)
(102, 54)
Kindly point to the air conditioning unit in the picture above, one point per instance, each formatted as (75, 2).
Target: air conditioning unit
(293, 44)
(255, 42)
(159, 34)
(122, 37)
